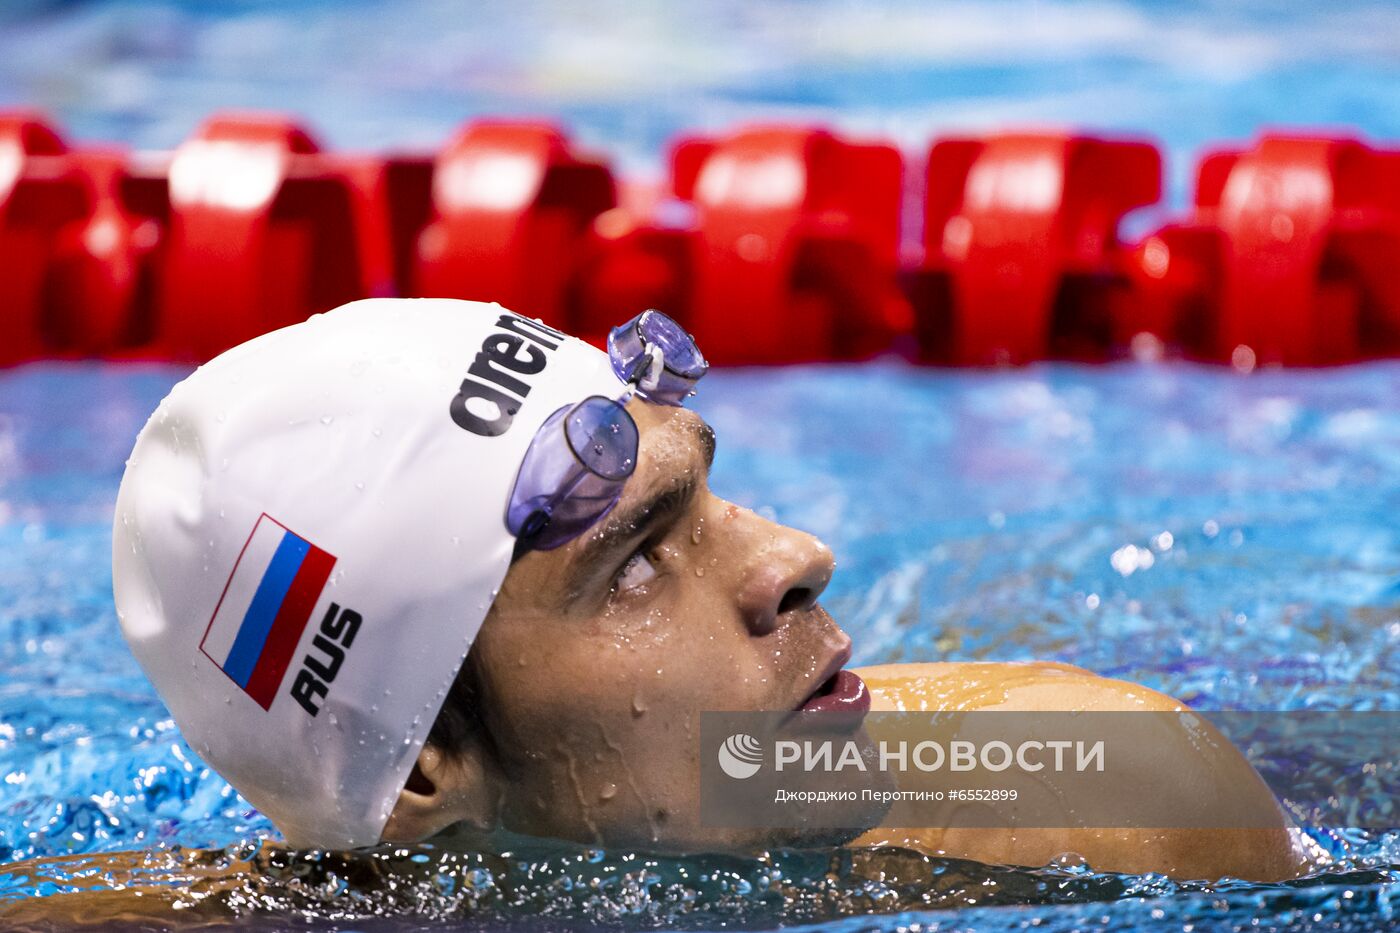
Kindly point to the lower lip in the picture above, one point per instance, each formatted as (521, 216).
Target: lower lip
(844, 693)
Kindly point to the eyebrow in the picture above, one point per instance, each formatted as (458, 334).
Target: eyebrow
(705, 435)
(660, 508)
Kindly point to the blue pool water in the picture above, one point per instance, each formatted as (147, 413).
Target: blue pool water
(1228, 539)
(629, 76)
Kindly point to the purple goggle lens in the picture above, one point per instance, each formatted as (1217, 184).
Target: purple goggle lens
(658, 356)
(581, 457)
(573, 472)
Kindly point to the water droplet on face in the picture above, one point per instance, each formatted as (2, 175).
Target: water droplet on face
(699, 571)
(608, 791)
(697, 531)
(639, 705)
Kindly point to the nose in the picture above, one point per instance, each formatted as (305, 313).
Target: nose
(785, 572)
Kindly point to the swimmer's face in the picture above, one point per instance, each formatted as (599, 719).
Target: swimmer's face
(598, 657)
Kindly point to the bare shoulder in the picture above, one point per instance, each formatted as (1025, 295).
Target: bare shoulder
(1179, 761)
(1031, 686)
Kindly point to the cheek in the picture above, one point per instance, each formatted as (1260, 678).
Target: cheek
(551, 681)
(681, 648)
(624, 631)
(698, 653)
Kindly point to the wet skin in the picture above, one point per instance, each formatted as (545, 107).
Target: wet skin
(597, 658)
(1195, 773)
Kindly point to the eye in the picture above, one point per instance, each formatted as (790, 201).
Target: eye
(638, 571)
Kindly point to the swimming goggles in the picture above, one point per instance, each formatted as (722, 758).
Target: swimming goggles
(581, 457)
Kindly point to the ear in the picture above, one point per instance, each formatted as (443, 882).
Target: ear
(443, 791)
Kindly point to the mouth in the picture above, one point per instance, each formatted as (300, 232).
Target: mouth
(839, 691)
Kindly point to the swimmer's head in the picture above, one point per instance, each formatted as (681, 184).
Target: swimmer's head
(375, 623)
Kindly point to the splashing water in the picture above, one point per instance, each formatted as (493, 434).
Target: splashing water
(570, 888)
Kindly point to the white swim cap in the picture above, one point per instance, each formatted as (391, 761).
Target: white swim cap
(311, 530)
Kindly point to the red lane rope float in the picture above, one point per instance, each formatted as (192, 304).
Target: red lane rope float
(772, 244)
(511, 204)
(262, 234)
(79, 235)
(1022, 254)
(796, 235)
(1289, 256)
(794, 232)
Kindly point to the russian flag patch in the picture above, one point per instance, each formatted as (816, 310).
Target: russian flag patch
(266, 603)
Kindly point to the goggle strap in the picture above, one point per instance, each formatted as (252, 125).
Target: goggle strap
(654, 370)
